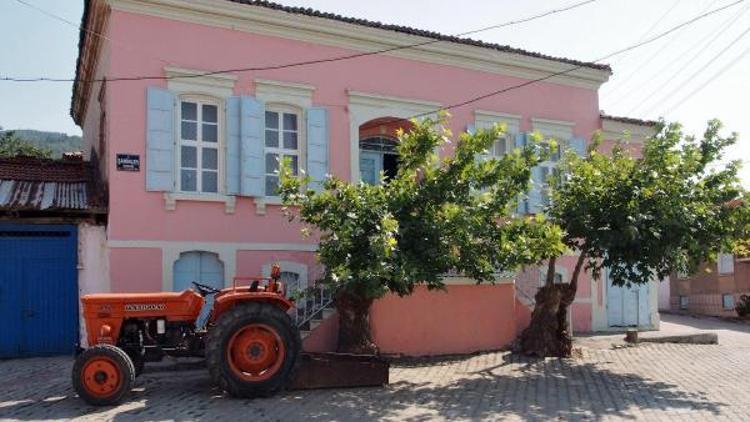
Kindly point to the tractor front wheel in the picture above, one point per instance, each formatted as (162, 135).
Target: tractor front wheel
(103, 375)
(252, 349)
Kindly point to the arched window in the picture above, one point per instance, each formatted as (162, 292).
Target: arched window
(376, 154)
(203, 267)
(293, 275)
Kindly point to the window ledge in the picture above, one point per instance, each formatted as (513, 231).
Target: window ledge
(171, 198)
(262, 201)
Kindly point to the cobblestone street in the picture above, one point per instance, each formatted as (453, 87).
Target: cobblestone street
(650, 382)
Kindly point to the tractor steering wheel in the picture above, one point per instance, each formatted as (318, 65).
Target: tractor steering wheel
(204, 289)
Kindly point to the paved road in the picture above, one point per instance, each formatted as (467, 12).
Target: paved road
(730, 333)
(665, 382)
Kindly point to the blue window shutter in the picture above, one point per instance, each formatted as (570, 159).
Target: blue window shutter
(233, 150)
(317, 146)
(535, 195)
(578, 145)
(252, 128)
(520, 142)
(160, 139)
(471, 129)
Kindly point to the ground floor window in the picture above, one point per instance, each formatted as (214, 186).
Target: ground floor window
(684, 301)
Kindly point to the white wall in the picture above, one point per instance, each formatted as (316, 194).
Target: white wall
(664, 295)
(93, 266)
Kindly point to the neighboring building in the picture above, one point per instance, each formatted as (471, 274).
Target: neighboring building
(714, 289)
(202, 204)
(51, 247)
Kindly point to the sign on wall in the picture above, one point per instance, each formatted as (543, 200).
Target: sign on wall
(128, 162)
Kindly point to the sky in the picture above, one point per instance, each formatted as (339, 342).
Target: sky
(695, 74)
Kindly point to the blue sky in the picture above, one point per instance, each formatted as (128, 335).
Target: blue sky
(648, 82)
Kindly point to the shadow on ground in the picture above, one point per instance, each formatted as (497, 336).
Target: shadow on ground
(506, 386)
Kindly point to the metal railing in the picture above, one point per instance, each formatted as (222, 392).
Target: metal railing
(311, 304)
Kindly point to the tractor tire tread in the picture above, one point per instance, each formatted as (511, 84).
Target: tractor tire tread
(219, 335)
(122, 360)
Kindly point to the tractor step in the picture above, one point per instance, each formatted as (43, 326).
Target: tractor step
(338, 370)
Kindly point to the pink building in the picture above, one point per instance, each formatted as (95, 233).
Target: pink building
(203, 96)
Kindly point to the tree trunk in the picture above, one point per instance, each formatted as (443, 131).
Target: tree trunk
(354, 323)
(548, 334)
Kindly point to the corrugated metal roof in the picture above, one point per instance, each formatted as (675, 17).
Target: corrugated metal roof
(28, 184)
(23, 195)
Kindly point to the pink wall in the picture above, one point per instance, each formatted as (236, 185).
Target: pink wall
(206, 48)
(461, 319)
(250, 263)
(135, 270)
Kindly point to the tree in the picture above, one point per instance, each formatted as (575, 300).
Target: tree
(432, 217)
(12, 146)
(639, 218)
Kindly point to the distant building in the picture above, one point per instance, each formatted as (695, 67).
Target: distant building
(714, 289)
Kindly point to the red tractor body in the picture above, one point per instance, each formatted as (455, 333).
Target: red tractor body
(248, 339)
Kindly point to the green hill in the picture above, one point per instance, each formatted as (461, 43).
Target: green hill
(57, 142)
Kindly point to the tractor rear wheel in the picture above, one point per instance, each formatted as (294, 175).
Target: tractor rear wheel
(103, 375)
(251, 350)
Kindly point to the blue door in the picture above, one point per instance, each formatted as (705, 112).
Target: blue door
(627, 306)
(203, 267)
(38, 290)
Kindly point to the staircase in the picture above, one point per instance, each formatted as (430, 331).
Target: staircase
(312, 310)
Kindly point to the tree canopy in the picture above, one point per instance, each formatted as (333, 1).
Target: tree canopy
(434, 216)
(12, 146)
(643, 218)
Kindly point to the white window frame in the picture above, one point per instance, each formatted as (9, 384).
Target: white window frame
(562, 133)
(300, 152)
(725, 304)
(284, 94)
(289, 266)
(684, 302)
(218, 87)
(484, 119)
(199, 144)
(725, 264)
(559, 270)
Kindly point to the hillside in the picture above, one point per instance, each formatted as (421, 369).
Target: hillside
(57, 142)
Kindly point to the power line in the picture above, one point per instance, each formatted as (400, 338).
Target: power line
(636, 69)
(724, 26)
(702, 68)
(647, 33)
(84, 29)
(615, 53)
(712, 78)
(288, 65)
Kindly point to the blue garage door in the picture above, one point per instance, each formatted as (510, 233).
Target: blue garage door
(38, 290)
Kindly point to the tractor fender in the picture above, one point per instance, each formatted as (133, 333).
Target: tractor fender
(227, 300)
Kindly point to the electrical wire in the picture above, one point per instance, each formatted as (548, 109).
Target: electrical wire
(700, 69)
(708, 81)
(712, 36)
(287, 65)
(552, 75)
(637, 70)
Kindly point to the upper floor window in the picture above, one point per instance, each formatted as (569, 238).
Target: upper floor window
(726, 263)
(200, 145)
(377, 154)
(283, 140)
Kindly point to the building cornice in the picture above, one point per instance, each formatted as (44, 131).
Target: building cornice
(615, 130)
(266, 21)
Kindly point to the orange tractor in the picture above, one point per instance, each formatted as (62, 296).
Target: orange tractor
(249, 341)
